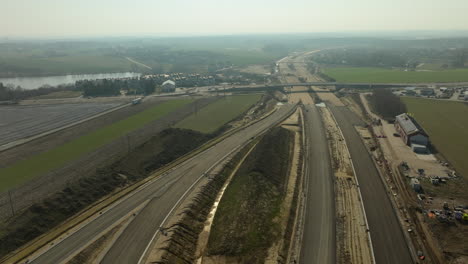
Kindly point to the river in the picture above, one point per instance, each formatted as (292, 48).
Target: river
(36, 82)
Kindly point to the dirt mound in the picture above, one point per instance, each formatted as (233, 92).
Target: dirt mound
(182, 242)
(246, 223)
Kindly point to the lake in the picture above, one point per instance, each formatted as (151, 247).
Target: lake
(36, 82)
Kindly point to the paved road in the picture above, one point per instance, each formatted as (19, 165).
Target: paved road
(318, 242)
(161, 193)
(387, 236)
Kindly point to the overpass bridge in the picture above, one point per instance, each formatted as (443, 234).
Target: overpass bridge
(337, 85)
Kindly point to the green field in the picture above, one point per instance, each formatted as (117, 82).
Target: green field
(381, 75)
(215, 115)
(54, 158)
(447, 125)
(76, 64)
(59, 94)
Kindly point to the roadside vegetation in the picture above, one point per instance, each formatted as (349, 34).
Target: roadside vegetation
(245, 225)
(386, 104)
(385, 75)
(160, 150)
(14, 94)
(447, 125)
(213, 116)
(182, 243)
(60, 94)
(24, 170)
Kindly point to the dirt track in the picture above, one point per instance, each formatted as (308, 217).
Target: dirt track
(42, 186)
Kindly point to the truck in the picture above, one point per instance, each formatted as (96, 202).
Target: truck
(137, 101)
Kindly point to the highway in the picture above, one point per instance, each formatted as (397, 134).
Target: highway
(318, 233)
(161, 194)
(318, 241)
(387, 236)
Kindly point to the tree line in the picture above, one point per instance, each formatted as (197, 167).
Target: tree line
(387, 104)
(408, 58)
(11, 93)
(113, 87)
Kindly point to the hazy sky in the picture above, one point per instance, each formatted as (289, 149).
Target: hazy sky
(43, 18)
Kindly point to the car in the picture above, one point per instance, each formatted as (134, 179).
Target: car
(396, 135)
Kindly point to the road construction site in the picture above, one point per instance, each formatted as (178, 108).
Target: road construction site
(341, 204)
(71, 245)
(24, 195)
(331, 187)
(439, 241)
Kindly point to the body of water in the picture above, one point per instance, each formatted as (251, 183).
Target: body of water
(36, 82)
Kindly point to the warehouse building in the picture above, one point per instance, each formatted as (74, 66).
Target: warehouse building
(411, 133)
(168, 86)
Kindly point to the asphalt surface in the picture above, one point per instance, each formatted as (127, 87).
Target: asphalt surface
(318, 238)
(387, 236)
(162, 194)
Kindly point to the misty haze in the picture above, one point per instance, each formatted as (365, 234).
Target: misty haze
(225, 132)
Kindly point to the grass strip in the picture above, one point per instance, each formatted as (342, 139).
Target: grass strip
(245, 224)
(446, 122)
(211, 117)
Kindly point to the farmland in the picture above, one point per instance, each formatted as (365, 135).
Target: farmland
(26, 169)
(161, 55)
(26, 121)
(213, 116)
(246, 223)
(381, 75)
(28, 64)
(447, 126)
(59, 94)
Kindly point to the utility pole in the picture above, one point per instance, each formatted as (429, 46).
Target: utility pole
(128, 143)
(11, 203)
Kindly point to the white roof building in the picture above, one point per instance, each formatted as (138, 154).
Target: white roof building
(170, 82)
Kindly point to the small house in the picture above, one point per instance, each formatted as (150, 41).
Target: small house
(411, 133)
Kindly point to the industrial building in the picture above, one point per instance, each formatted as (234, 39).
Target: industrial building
(168, 86)
(411, 133)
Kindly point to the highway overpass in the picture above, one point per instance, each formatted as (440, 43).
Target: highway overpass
(338, 85)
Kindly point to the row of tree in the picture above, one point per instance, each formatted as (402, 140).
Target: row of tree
(114, 87)
(11, 93)
(387, 104)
